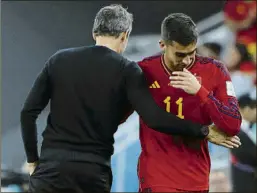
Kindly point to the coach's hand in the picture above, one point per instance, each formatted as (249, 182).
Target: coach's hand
(219, 138)
(31, 167)
(186, 81)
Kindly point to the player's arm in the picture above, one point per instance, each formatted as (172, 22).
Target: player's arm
(222, 105)
(154, 116)
(35, 102)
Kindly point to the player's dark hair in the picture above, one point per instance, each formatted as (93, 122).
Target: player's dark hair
(180, 28)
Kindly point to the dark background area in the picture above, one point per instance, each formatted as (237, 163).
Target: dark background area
(32, 31)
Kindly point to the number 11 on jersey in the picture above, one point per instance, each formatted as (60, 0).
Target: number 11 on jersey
(179, 103)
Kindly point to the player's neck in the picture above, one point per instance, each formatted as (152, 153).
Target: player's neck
(108, 42)
(168, 64)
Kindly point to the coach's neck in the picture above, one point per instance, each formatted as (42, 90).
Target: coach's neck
(109, 42)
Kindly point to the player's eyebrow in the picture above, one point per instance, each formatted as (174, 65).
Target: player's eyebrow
(183, 54)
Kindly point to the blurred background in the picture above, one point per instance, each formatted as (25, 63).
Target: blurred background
(33, 30)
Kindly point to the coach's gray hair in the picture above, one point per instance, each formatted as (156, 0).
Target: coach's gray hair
(112, 20)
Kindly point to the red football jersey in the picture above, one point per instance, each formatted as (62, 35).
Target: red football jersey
(180, 162)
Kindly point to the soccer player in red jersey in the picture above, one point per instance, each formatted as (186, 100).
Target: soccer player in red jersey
(194, 88)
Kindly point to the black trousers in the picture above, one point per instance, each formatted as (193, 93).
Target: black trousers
(77, 177)
(243, 181)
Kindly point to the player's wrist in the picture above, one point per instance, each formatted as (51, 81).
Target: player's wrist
(202, 93)
(197, 89)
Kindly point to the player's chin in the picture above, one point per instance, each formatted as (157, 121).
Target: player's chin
(181, 67)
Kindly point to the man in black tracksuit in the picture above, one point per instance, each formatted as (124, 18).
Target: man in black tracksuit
(91, 90)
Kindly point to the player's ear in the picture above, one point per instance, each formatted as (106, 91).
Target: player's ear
(162, 45)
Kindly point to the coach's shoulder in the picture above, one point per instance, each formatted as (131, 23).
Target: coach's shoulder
(62, 53)
(126, 63)
(68, 51)
(65, 54)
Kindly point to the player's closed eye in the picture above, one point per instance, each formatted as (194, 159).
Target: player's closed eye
(183, 55)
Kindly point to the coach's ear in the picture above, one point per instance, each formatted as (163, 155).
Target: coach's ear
(94, 36)
(124, 36)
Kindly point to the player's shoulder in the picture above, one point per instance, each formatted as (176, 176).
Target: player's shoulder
(150, 59)
(207, 60)
(211, 63)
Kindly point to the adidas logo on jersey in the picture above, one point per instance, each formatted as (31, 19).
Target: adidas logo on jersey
(155, 85)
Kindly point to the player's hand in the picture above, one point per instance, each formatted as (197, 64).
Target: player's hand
(186, 81)
(31, 167)
(219, 138)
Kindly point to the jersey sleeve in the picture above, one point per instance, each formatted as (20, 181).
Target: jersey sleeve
(222, 104)
(155, 117)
